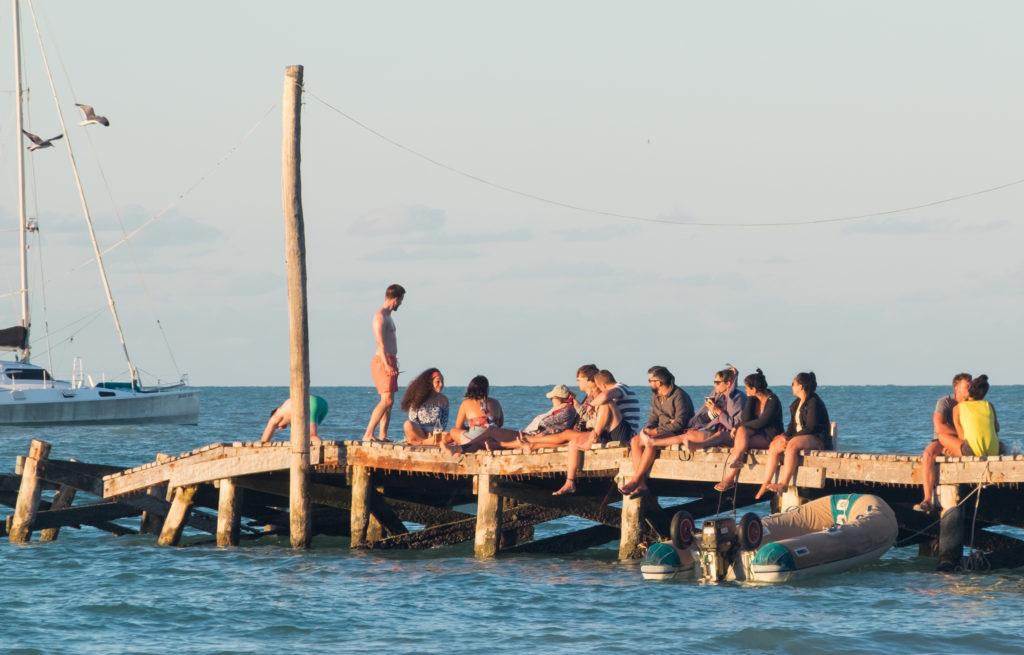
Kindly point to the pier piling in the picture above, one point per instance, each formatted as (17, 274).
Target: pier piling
(20, 530)
(951, 527)
(360, 513)
(174, 522)
(229, 506)
(488, 519)
(298, 324)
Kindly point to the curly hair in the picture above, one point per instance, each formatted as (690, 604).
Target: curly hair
(421, 388)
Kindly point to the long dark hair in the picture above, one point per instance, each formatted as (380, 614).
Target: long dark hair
(477, 388)
(421, 388)
(808, 381)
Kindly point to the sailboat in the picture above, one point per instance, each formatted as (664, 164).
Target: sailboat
(29, 395)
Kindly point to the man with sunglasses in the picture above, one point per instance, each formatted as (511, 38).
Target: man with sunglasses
(710, 427)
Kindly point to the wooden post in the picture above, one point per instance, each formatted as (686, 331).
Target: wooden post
(790, 498)
(488, 519)
(360, 513)
(229, 508)
(150, 523)
(630, 528)
(295, 259)
(65, 496)
(951, 527)
(25, 508)
(174, 523)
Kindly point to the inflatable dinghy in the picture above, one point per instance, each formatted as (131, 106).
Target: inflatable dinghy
(828, 535)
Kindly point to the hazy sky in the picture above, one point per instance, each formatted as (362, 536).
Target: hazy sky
(692, 112)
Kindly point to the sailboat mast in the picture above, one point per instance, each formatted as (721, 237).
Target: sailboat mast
(23, 353)
(85, 206)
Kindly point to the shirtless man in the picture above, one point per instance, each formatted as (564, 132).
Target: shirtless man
(384, 366)
(281, 418)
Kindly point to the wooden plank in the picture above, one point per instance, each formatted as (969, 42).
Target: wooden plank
(571, 542)
(20, 528)
(251, 463)
(583, 507)
(80, 475)
(86, 514)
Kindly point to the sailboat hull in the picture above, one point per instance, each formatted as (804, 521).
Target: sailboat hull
(98, 406)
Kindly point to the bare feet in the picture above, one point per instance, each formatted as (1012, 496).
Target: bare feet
(777, 487)
(566, 489)
(761, 492)
(452, 448)
(629, 487)
(524, 442)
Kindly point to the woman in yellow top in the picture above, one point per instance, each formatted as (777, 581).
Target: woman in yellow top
(977, 427)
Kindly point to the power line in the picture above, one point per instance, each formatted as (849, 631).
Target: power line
(650, 219)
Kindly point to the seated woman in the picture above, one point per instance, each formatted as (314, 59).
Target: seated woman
(760, 422)
(560, 418)
(609, 425)
(477, 414)
(427, 408)
(809, 429)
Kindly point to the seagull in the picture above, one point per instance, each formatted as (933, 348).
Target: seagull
(90, 116)
(41, 143)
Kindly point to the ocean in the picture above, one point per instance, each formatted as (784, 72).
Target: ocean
(90, 592)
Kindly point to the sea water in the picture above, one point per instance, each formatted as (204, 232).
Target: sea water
(91, 592)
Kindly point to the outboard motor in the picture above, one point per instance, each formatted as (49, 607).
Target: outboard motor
(718, 544)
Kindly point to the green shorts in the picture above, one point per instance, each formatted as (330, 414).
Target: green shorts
(317, 409)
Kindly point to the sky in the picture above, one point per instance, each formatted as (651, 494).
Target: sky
(686, 112)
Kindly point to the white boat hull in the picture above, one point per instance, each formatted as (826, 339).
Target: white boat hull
(57, 406)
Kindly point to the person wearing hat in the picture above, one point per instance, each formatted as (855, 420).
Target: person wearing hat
(559, 418)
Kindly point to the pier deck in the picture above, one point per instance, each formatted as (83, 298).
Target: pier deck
(379, 494)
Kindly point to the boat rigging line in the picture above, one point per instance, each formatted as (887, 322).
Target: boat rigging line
(652, 219)
(82, 200)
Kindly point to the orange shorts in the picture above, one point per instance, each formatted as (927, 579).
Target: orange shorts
(385, 383)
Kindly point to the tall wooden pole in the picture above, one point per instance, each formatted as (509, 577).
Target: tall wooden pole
(295, 260)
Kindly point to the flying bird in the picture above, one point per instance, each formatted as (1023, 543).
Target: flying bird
(90, 116)
(40, 142)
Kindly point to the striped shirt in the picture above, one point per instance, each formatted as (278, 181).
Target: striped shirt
(629, 406)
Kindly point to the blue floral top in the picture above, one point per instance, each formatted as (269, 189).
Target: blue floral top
(432, 414)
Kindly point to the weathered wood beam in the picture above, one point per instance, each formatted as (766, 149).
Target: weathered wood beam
(951, 526)
(177, 516)
(584, 507)
(228, 517)
(86, 514)
(359, 516)
(488, 519)
(20, 528)
(62, 500)
(569, 542)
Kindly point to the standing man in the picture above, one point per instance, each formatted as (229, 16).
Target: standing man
(384, 367)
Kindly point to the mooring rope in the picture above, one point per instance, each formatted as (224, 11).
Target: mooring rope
(925, 529)
(649, 219)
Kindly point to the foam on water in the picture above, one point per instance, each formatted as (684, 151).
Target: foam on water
(90, 592)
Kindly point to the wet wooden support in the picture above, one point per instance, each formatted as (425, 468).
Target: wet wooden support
(228, 513)
(631, 529)
(20, 529)
(177, 516)
(951, 527)
(488, 519)
(150, 523)
(359, 518)
(62, 500)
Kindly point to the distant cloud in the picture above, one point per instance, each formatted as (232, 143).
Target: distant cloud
(398, 220)
(897, 226)
(420, 254)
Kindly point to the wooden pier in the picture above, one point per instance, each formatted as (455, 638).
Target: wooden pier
(391, 496)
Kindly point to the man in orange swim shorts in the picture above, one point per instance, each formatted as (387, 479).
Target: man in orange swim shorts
(384, 366)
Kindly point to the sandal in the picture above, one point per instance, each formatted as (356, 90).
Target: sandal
(567, 489)
(925, 507)
(724, 486)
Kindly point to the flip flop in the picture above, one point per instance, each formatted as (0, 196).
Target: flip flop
(640, 493)
(565, 490)
(723, 486)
